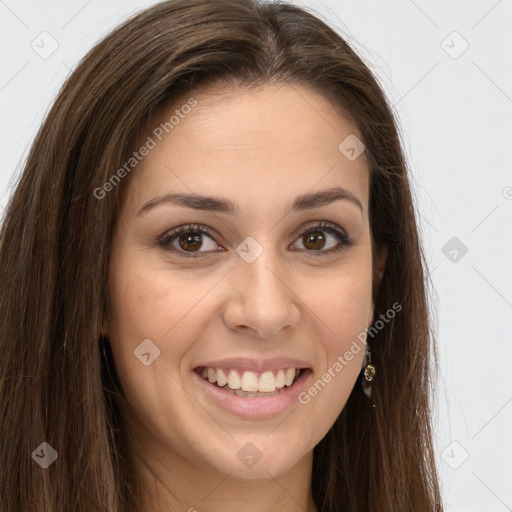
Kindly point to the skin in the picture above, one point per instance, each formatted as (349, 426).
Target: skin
(260, 148)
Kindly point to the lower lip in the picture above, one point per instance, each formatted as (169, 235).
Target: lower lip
(253, 408)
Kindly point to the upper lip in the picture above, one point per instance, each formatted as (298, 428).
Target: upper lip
(256, 365)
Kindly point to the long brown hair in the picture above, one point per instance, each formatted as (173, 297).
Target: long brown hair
(59, 387)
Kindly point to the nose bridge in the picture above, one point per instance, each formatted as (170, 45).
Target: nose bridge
(261, 271)
(264, 299)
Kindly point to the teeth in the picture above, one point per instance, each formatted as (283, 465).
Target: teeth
(249, 381)
(212, 375)
(280, 379)
(268, 382)
(234, 380)
(289, 376)
(221, 378)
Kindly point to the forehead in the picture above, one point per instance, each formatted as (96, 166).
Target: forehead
(251, 145)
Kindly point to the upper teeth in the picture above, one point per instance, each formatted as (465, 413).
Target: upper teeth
(249, 381)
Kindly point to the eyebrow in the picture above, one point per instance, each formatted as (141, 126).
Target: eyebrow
(220, 205)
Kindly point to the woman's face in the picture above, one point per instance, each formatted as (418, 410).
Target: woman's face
(253, 292)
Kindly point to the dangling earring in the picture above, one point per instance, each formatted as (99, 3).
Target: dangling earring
(368, 373)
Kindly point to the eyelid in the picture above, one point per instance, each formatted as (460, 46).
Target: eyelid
(319, 224)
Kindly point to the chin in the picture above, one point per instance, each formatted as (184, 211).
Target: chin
(259, 459)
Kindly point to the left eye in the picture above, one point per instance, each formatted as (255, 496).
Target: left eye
(189, 239)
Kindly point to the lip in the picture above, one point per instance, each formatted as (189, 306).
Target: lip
(255, 365)
(252, 408)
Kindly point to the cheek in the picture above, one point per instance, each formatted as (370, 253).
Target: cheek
(342, 302)
(158, 312)
(350, 315)
(343, 310)
(149, 301)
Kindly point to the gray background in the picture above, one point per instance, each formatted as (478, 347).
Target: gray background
(454, 106)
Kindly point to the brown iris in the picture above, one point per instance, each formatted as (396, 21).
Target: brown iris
(190, 242)
(314, 240)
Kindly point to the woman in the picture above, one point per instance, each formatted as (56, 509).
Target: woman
(213, 288)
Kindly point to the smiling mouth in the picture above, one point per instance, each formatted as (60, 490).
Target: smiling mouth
(250, 384)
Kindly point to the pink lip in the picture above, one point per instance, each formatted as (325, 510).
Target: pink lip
(252, 408)
(255, 365)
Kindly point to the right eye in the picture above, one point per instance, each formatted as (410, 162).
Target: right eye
(188, 239)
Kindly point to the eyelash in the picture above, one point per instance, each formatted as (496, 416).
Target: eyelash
(329, 227)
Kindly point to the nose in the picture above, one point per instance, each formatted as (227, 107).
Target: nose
(261, 297)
